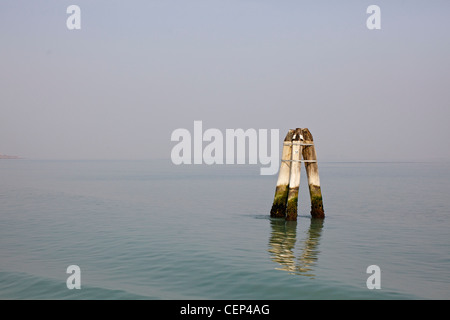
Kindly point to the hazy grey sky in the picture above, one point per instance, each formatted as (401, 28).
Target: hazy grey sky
(137, 70)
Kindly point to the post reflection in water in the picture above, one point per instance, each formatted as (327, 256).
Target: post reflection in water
(282, 246)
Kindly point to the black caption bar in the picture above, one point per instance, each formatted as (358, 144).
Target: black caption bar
(231, 309)
(226, 309)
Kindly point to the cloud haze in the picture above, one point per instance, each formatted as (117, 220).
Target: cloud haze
(137, 70)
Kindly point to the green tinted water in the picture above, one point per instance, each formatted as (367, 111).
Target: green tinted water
(152, 230)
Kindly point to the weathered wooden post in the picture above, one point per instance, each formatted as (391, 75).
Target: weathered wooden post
(312, 172)
(281, 192)
(298, 143)
(294, 181)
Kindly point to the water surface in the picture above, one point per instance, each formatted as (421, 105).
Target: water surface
(153, 230)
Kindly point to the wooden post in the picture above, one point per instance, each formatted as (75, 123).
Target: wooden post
(281, 192)
(294, 181)
(312, 172)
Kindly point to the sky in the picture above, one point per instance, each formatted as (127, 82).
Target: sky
(138, 70)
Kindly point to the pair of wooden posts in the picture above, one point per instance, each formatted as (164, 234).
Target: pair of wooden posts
(298, 143)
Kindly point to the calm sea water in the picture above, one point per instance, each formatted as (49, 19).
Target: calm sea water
(152, 230)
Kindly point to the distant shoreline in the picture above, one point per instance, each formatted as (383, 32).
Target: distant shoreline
(4, 156)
